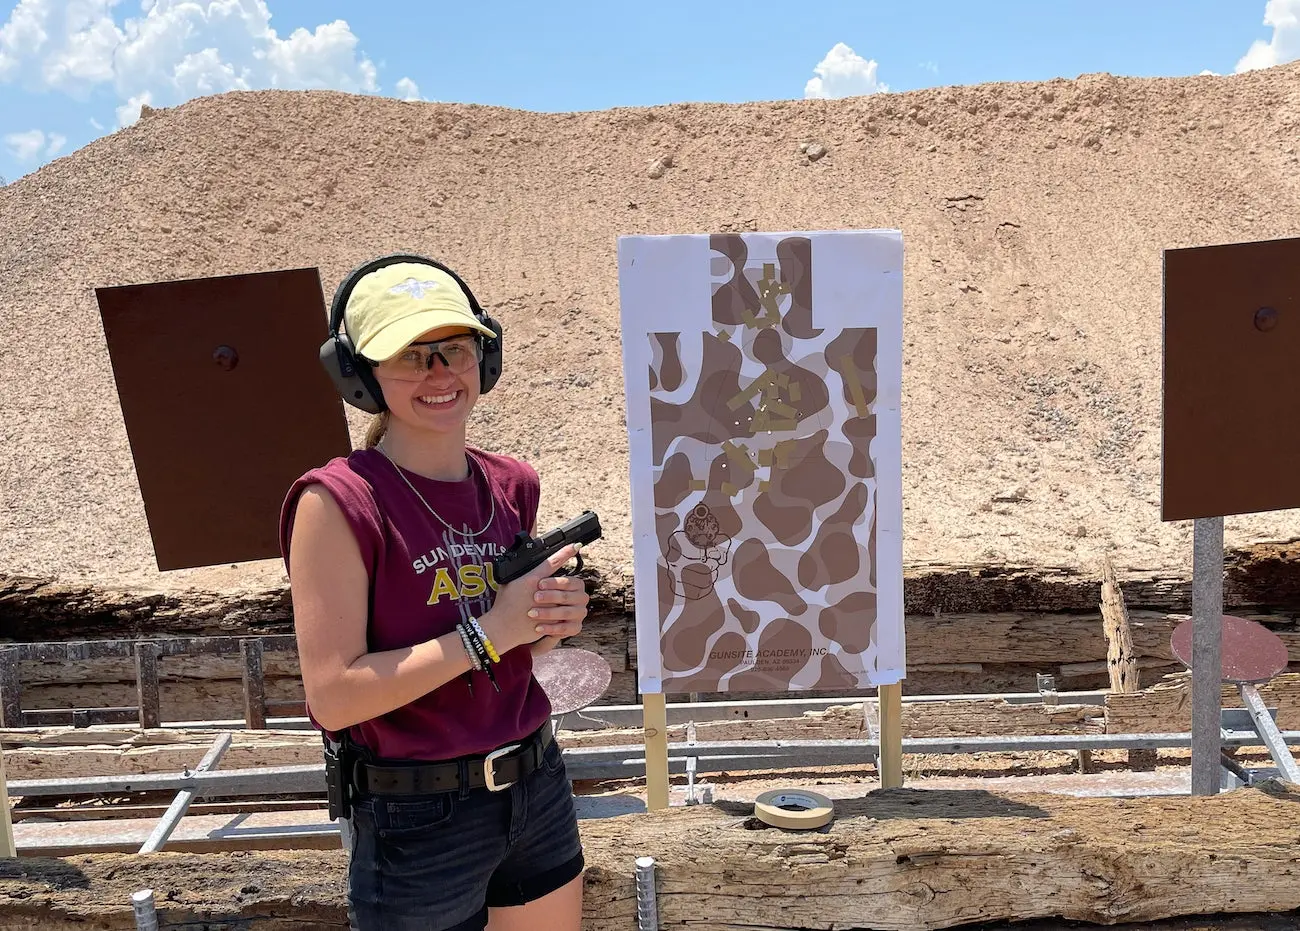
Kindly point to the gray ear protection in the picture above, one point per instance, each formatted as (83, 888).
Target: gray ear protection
(352, 374)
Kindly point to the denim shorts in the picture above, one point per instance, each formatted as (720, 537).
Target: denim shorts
(437, 862)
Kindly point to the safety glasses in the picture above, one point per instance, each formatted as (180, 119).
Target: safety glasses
(459, 354)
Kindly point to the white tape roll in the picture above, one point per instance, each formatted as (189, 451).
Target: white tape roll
(798, 809)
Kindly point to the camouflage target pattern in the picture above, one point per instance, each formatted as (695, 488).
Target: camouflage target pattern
(763, 373)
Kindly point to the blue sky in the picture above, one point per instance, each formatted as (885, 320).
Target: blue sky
(73, 70)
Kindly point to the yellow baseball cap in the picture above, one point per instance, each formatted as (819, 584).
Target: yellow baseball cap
(391, 307)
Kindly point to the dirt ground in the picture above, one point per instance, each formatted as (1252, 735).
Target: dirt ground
(1034, 216)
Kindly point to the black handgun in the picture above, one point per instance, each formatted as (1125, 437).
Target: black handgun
(527, 553)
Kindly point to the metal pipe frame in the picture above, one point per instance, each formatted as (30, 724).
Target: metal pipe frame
(629, 761)
(1207, 665)
(181, 804)
(1269, 733)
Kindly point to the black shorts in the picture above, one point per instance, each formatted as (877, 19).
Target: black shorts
(438, 862)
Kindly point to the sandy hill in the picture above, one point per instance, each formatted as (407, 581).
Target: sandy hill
(1034, 216)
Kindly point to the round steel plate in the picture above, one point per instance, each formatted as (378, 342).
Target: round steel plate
(1250, 651)
(572, 678)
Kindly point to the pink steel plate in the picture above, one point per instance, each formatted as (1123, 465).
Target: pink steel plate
(572, 678)
(1250, 651)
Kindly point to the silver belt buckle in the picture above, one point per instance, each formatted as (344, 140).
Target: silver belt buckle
(489, 771)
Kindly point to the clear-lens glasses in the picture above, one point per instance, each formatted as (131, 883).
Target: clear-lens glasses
(459, 354)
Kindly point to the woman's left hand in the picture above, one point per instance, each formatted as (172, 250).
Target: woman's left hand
(560, 606)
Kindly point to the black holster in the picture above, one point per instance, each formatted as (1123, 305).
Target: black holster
(340, 763)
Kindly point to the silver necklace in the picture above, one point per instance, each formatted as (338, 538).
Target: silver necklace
(492, 501)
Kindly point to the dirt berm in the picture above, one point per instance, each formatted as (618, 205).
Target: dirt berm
(1034, 216)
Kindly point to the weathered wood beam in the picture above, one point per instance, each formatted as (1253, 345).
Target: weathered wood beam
(38, 608)
(1122, 660)
(998, 653)
(894, 859)
(986, 639)
(1167, 705)
(109, 750)
(1121, 657)
(917, 859)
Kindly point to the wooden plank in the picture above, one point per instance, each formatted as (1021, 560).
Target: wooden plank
(254, 685)
(96, 812)
(280, 659)
(1122, 662)
(1258, 577)
(890, 765)
(1069, 671)
(68, 752)
(655, 735)
(6, 820)
(185, 700)
(64, 651)
(196, 834)
(146, 683)
(11, 689)
(882, 863)
(223, 699)
(1001, 652)
(887, 858)
(282, 663)
(1121, 659)
(72, 762)
(1167, 705)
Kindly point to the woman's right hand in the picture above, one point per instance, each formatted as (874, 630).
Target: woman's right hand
(508, 623)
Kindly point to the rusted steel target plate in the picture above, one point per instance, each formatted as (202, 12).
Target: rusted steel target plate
(1250, 651)
(225, 403)
(1231, 386)
(572, 678)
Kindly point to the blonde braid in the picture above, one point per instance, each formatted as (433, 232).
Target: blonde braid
(375, 432)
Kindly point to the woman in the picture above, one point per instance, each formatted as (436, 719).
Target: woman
(462, 813)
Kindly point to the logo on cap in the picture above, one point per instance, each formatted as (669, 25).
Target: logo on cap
(413, 287)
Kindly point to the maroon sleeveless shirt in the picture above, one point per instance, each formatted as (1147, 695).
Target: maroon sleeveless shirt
(424, 578)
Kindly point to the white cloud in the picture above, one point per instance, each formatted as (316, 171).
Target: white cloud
(408, 89)
(25, 29)
(843, 73)
(35, 144)
(26, 146)
(129, 112)
(1284, 46)
(173, 50)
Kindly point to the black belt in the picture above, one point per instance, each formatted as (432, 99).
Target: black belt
(494, 772)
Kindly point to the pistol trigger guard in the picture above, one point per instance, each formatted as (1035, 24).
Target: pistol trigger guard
(578, 567)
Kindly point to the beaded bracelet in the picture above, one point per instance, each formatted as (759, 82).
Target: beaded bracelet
(481, 652)
(469, 648)
(491, 650)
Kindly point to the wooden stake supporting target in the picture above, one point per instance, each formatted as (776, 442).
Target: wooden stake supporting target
(6, 820)
(655, 709)
(891, 736)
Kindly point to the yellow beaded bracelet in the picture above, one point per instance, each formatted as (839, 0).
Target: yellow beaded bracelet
(487, 644)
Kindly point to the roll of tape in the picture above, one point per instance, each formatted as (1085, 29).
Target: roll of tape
(794, 808)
